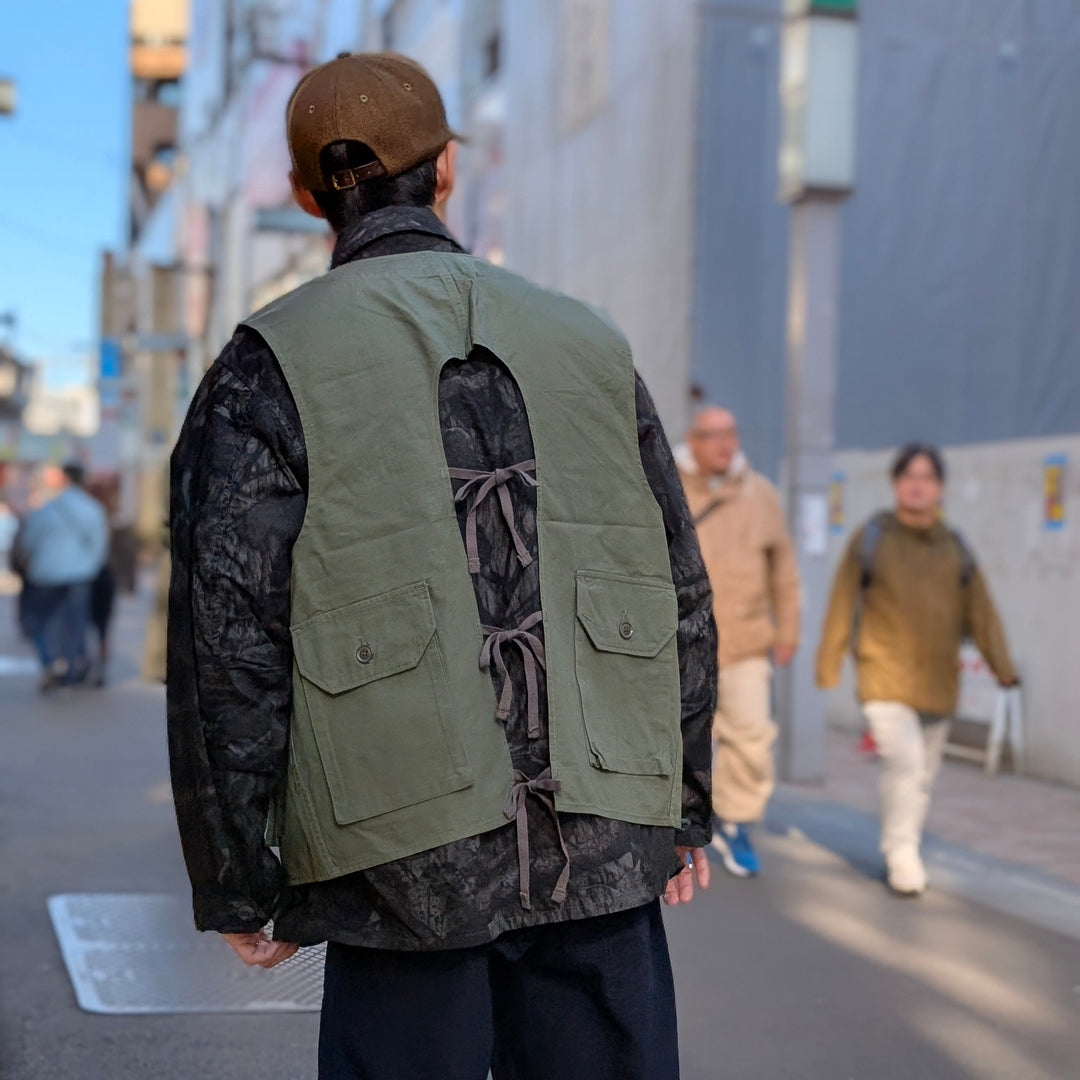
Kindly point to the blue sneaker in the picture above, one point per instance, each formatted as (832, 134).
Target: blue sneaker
(738, 854)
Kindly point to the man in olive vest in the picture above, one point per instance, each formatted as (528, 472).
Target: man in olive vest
(442, 661)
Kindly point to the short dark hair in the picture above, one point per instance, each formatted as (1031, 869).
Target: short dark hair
(75, 473)
(907, 454)
(413, 187)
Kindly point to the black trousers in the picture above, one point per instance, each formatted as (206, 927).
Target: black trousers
(586, 1000)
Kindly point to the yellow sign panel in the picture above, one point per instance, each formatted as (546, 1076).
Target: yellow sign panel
(1054, 491)
(837, 520)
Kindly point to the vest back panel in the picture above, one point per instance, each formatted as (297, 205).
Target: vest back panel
(394, 744)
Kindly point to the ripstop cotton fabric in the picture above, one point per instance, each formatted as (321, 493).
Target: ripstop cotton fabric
(396, 745)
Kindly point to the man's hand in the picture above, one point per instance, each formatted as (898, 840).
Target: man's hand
(783, 654)
(680, 889)
(259, 949)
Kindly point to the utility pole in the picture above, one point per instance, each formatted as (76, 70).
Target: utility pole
(817, 172)
(8, 98)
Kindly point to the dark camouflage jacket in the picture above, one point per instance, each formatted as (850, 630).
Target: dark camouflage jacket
(239, 483)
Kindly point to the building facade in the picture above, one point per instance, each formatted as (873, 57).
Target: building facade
(241, 240)
(625, 151)
(142, 384)
(641, 174)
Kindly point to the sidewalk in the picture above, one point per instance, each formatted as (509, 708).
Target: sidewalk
(864, 985)
(1006, 842)
(86, 808)
(1024, 821)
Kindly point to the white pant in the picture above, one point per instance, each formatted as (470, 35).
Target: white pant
(911, 753)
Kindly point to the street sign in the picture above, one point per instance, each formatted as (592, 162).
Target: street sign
(110, 359)
(795, 8)
(1054, 492)
(837, 520)
(818, 77)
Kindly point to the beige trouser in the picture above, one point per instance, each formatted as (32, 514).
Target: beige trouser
(743, 735)
(911, 753)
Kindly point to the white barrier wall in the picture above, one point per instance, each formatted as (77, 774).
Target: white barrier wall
(600, 157)
(996, 498)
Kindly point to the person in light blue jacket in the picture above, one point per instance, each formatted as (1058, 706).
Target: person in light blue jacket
(61, 547)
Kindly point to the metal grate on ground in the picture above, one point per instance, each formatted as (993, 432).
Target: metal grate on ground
(140, 953)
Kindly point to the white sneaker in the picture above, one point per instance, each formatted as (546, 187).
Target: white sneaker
(905, 873)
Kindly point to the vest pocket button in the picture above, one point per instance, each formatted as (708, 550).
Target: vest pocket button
(365, 654)
(626, 631)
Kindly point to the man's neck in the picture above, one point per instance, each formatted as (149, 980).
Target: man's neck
(735, 469)
(375, 233)
(917, 519)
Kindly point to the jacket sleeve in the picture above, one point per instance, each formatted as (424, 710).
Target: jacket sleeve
(836, 630)
(18, 556)
(236, 510)
(986, 629)
(697, 628)
(100, 536)
(783, 575)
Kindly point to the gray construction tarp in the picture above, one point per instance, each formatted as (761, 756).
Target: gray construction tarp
(960, 272)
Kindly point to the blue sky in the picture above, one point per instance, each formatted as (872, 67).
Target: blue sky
(62, 171)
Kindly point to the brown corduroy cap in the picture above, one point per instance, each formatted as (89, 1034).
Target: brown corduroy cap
(382, 99)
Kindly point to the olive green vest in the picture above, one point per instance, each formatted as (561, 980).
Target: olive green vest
(394, 746)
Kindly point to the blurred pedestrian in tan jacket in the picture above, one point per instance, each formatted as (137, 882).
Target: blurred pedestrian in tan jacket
(906, 594)
(755, 580)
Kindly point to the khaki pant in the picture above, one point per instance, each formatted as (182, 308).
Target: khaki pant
(743, 736)
(911, 753)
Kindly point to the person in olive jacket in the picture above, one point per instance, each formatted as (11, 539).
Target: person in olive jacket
(441, 658)
(905, 596)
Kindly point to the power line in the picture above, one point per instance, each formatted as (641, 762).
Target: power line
(53, 240)
(62, 146)
(52, 347)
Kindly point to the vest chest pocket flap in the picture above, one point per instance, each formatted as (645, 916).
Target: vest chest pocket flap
(629, 689)
(373, 687)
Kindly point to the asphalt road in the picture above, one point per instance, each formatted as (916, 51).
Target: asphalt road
(810, 973)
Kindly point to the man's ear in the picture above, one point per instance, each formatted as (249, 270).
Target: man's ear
(445, 167)
(304, 199)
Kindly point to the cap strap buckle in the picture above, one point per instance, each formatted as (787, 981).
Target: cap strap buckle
(349, 178)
